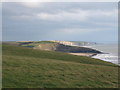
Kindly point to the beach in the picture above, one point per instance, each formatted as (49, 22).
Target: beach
(84, 54)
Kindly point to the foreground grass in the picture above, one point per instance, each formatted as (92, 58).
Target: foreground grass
(28, 68)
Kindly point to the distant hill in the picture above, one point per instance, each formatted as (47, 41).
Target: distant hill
(54, 46)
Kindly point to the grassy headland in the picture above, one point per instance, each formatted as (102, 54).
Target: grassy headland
(52, 46)
(31, 68)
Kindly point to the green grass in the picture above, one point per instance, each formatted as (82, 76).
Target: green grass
(43, 42)
(27, 68)
(34, 43)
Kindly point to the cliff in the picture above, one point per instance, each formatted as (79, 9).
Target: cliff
(65, 48)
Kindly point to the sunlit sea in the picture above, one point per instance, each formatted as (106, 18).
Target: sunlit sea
(110, 50)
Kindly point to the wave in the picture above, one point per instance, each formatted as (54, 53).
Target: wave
(111, 53)
(107, 57)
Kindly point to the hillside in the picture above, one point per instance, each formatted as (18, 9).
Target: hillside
(29, 68)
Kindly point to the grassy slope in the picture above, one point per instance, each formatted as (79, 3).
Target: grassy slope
(25, 67)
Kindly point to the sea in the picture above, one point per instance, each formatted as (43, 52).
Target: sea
(110, 52)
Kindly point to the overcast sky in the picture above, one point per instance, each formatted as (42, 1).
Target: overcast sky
(95, 22)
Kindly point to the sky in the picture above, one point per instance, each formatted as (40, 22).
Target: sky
(68, 21)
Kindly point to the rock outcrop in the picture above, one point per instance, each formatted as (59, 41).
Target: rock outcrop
(65, 48)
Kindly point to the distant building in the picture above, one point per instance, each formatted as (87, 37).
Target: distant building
(64, 42)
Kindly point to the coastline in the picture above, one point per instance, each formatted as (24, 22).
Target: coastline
(109, 52)
(95, 55)
(87, 54)
(84, 54)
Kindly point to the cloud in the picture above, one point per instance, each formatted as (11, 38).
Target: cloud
(63, 15)
(68, 21)
(60, 0)
(77, 14)
(74, 15)
(80, 30)
(31, 4)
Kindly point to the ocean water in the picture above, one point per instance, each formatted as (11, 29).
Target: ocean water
(110, 50)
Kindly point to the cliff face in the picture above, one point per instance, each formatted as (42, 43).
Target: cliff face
(65, 48)
(74, 49)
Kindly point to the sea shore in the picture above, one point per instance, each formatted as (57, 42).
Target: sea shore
(84, 54)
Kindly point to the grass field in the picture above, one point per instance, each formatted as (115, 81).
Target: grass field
(28, 68)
